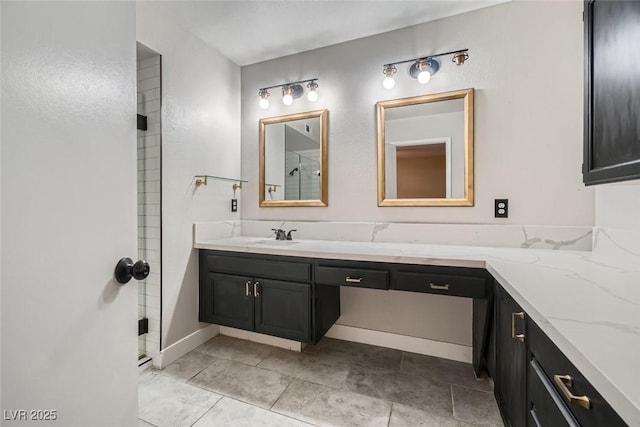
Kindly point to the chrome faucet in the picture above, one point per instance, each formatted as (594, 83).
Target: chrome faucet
(289, 234)
(280, 234)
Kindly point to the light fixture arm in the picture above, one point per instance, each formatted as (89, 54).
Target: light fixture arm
(426, 57)
(289, 84)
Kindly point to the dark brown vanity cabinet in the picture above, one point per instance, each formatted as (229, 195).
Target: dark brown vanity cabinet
(511, 359)
(267, 294)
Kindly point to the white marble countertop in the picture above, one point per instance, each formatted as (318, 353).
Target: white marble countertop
(588, 305)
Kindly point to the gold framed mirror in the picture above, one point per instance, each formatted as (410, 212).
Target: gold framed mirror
(293, 160)
(425, 150)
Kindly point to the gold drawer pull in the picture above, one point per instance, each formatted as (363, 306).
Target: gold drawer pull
(255, 289)
(564, 382)
(439, 287)
(247, 291)
(353, 279)
(514, 316)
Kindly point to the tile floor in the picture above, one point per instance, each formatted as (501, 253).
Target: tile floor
(232, 382)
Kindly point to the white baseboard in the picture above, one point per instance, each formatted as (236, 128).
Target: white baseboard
(461, 353)
(263, 339)
(184, 346)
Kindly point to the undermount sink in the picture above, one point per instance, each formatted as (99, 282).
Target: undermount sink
(275, 242)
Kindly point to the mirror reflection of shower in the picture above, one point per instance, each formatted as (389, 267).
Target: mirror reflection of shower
(303, 179)
(291, 156)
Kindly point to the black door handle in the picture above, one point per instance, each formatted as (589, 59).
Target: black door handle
(126, 269)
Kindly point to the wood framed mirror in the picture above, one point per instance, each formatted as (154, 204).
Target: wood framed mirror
(425, 150)
(293, 160)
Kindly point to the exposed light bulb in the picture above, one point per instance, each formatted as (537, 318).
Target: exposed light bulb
(287, 97)
(424, 77)
(264, 98)
(312, 96)
(388, 82)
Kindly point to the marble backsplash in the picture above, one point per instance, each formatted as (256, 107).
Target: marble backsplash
(576, 238)
(619, 245)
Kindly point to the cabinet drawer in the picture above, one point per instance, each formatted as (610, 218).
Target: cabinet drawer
(347, 276)
(545, 405)
(554, 363)
(443, 284)
(268, 268)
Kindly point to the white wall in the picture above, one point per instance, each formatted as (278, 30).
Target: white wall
(526, 66)
(200, 135)
(617, 232)
(618, 206)
(0, 220)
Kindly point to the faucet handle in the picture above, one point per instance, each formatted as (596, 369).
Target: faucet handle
(280, 234)
(289, 234)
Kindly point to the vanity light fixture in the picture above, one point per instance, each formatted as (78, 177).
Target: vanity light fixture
(423, 68)
(264, 98)
(389, 70)
(460, 57)
(290, 91)
(312, 95)
(287, 95)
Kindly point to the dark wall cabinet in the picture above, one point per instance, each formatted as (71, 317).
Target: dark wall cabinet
(611, 91)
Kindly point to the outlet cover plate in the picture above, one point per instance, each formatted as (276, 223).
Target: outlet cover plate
(501, 207)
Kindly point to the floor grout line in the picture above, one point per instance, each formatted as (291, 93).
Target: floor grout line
(205, 412)
(453, 403)
(281, 394)
(151, 424)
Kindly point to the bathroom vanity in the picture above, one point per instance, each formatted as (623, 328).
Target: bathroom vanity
(298, 298)
(544, 322)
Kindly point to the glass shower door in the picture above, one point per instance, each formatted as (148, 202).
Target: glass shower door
(149, 200)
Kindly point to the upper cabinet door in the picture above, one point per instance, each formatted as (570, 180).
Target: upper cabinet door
(611, 91)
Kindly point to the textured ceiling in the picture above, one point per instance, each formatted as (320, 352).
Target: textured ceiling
(254, 31)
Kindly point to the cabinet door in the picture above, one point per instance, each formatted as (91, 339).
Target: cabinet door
(283, 309)
(511, 367)
(227, 300)
(612, 91)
